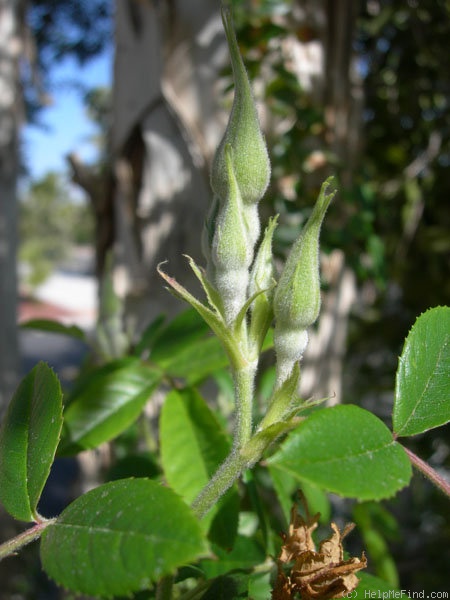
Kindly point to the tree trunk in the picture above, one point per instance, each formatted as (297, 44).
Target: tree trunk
(343, 93)
(165, 130)
(167, 125)
(9, 102)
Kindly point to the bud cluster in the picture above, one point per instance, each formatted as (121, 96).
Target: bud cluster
(240, 175)
(242, 292)
(240, 283)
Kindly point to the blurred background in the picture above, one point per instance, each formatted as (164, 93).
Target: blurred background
(110, 113)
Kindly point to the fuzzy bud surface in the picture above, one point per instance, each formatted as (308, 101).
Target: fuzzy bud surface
(243, 134)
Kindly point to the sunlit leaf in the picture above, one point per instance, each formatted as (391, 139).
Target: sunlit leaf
(422, 392)
(347, 450)
(120, 538)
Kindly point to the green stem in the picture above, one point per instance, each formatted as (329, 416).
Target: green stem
(164, 588)
(231, 469)
(222, 479)
(244, 378)
(21, 540)
(429, 472)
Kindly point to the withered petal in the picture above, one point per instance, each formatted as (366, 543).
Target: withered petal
(315, 575)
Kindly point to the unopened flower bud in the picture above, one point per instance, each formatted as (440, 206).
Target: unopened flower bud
(231, 251)
(243, 133)
(297, 296)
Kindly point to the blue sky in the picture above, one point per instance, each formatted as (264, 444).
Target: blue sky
(66, 126)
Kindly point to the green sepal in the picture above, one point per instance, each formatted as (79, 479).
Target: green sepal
(260, 441)
(211, 293)
(209, 228)
(261, 318)
(210, 317)
(230, 248)
(262, 278)
(262, 272)
(283, 400)
(240, 322)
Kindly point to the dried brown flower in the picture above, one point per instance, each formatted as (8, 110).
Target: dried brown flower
(314, 574)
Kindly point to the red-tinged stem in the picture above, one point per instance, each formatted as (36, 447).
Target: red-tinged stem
(21, 540)
(429, 472)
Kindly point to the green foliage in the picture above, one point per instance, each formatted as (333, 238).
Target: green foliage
(422, 395)
(192, 442)
(184, 349)
(109, 541)
(377, 526)
(192, 446)
(408, 142)
(374, 585)
(54, 327)
(355, 440)
(246, 553)
(286, 485)
(201, 522)
(237, 584)
(105, 402)
(28, 440)
(120, 538)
